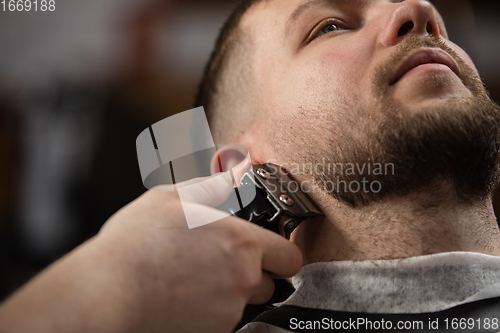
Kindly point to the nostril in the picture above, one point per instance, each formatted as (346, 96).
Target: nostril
(405, 28)
(429, 28)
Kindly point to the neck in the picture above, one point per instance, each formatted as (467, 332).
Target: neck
(402, 227)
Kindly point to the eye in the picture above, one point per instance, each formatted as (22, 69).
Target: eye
(326, 27)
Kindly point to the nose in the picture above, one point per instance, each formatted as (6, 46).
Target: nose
(409, 17)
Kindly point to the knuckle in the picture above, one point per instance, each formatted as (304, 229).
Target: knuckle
(245, 251)
(248, 279)
(245, 238)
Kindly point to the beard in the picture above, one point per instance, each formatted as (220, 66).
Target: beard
(414, 150)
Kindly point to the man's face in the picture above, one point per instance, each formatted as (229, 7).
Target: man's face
(335, 74)
(331, 49)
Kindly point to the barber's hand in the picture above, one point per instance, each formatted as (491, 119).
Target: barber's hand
(193, 280)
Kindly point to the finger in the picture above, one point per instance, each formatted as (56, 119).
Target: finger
(263, 291)
(209, 191)
(280, 257)
(214, 190)
(198, 215)
(242, 168)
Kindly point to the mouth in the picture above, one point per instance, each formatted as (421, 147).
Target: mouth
(424, 57)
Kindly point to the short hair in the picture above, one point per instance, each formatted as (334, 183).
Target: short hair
(231, 47)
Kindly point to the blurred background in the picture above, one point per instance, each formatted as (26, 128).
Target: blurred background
(77, 85)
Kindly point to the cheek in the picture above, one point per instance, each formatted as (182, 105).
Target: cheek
(318, 88)
(328, 77)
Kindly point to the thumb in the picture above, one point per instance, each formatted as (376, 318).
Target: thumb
(209, 191)
(214, 190)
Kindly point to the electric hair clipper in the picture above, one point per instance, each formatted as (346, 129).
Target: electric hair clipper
(279, 205)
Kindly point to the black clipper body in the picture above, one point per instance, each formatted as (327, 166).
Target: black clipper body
(279, 204)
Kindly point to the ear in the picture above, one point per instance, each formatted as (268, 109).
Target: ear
(227, 157)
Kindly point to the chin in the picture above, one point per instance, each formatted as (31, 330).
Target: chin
(429, 91)
(455, 137)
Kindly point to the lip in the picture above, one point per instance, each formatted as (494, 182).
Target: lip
(423, 57)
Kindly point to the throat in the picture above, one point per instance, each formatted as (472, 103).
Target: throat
(399, 227)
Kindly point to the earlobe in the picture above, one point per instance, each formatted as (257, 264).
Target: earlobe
(227, 157)
(231, 157)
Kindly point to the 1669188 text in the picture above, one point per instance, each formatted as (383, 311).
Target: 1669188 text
(28, 5)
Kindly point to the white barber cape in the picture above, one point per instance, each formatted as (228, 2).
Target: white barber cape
(414, 285)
